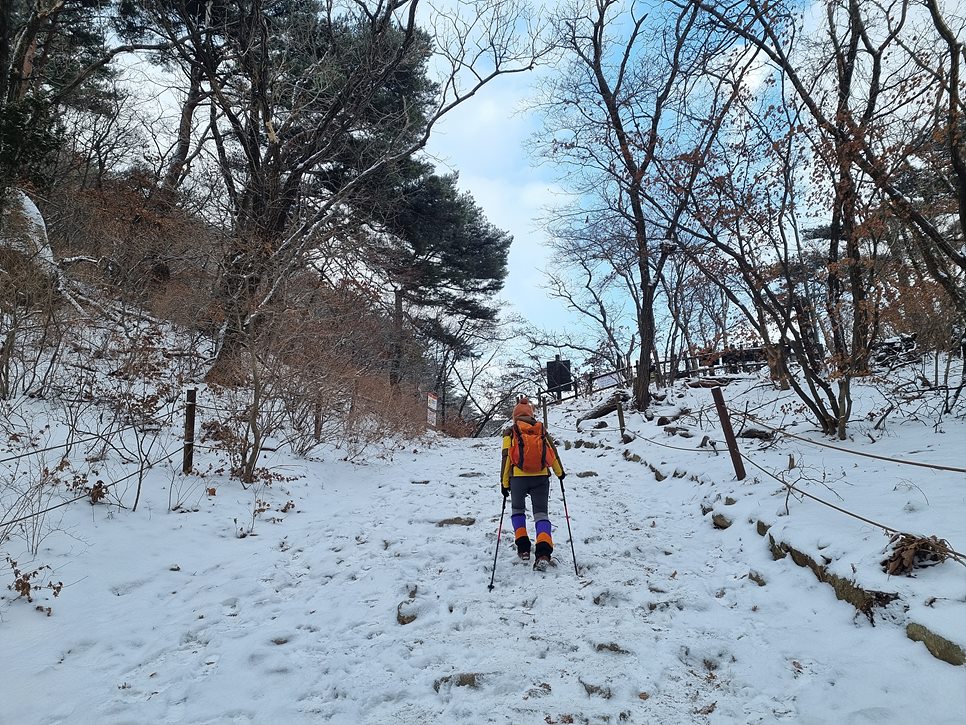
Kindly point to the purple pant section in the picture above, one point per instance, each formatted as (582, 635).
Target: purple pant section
(519, 521)
(543, 527)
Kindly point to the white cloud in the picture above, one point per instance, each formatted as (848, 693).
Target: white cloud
(485, 140)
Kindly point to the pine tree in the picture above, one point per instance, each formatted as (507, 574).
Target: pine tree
(442, 255)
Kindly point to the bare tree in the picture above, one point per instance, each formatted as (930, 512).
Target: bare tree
(859, 96)
(602, 274)
(897, 86)
(303, 118)
(627, 77)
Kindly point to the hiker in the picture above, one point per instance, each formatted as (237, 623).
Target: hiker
(527, 459)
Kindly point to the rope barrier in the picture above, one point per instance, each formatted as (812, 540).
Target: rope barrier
(81, 441)
(785, 433)
(87, 495)
(208, 446)
(673, 448)
(887, 529)
(229, 411)
(50, 448)
(961, 558)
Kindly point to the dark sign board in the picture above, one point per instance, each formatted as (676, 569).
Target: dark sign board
(558, 376)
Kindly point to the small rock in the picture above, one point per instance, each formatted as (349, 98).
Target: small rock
(541, 690)
(720, 521)
(600, 424)
(458, 521)
(611, 647)
(939, 647)
(599, 690)
(586, 474)
(464, 679)
(677, 430)
(764, 435)
(405, 617)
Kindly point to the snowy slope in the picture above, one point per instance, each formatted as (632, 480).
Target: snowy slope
(172, 618)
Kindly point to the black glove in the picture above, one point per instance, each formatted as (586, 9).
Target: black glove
(504, 490)
(562, 476)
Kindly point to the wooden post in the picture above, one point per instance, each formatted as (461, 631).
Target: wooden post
(188, 457)
(620, 416)
(729, 434)
(543, 401)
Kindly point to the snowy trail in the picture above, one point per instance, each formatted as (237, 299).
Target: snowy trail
(302, 623)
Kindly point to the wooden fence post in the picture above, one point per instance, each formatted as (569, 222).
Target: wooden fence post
(188, 457)
(729, 434)
(543, 402)
(620, 416)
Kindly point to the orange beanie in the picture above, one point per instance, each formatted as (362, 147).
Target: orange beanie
(522, 408)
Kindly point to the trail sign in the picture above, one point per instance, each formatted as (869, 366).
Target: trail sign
(558, 376)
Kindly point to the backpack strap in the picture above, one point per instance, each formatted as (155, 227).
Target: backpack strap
(516, 429)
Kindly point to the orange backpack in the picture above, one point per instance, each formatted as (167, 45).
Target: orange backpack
(529, 450)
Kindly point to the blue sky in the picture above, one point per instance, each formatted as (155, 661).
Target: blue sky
(485, 141)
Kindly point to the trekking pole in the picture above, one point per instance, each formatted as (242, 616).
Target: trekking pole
(569, 531)
(499, 531)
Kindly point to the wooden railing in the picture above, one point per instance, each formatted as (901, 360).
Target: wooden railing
(731, 361)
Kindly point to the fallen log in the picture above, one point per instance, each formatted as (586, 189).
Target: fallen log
(605, 408)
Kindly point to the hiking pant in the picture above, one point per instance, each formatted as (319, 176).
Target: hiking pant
(538, 488)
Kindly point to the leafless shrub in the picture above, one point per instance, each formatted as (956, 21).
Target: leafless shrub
(28, 584)
(27, 489)
(183, 489)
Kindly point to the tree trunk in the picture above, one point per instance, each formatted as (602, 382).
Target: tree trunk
(5, 32)
(777, 364)
(241, 277)
(845, 407)
(175, 170)
(395, 354)
(645, 326)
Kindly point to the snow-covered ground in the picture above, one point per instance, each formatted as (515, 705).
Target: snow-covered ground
(173, 618)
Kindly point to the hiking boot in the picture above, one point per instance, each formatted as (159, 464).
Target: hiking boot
(541, 563)
(524, 555)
